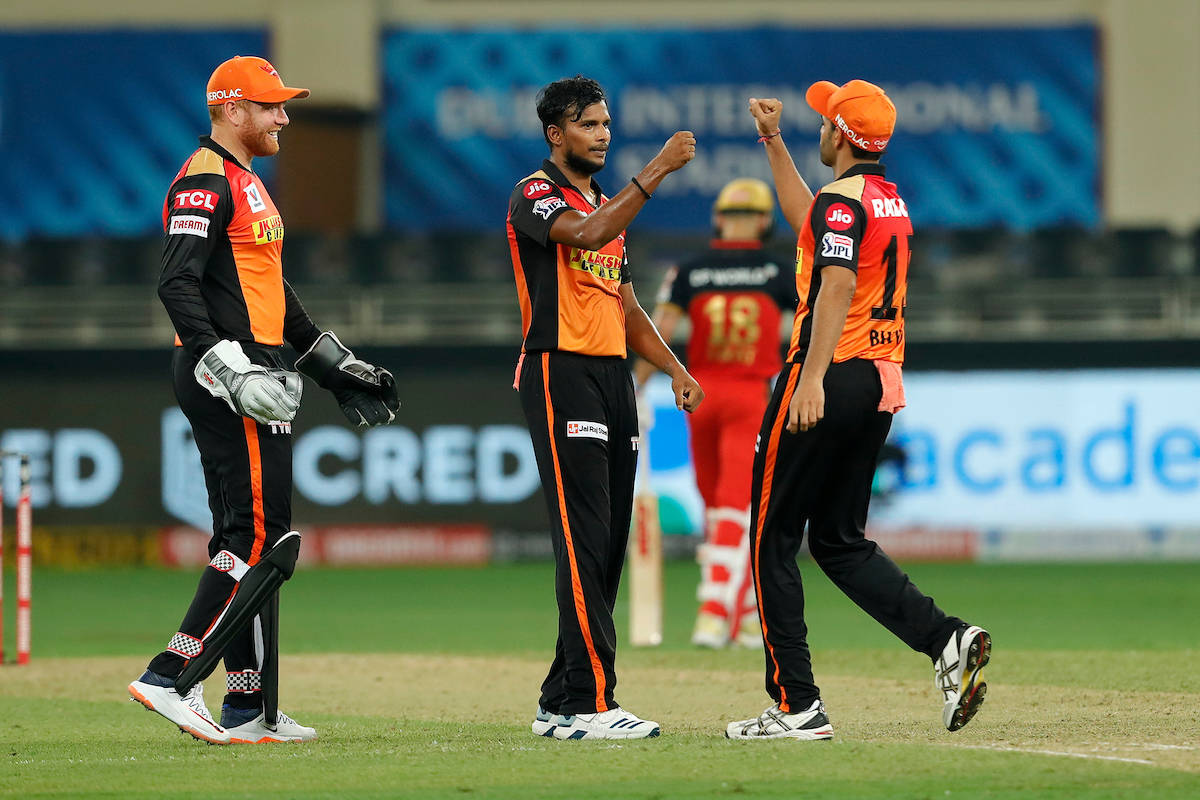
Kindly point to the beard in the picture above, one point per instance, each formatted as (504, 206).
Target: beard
(580, 164)
(261, 144)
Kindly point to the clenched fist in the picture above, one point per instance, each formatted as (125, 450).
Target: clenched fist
(766, 114)
(679, 150)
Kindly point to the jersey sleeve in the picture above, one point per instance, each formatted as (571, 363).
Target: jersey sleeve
(298, 328)
(534, 206)
(626, 270)
(838, 224)
(196, 218)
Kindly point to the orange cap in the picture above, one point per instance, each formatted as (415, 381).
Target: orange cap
(249, 78)
(860, 110)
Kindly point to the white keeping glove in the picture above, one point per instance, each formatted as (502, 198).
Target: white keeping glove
(248, 389)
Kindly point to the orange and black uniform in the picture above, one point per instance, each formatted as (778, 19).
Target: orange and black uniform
(577, 395)
(822, 477)
(222, 278)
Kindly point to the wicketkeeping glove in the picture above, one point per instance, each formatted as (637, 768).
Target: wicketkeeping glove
(248, 389)
(366, 393)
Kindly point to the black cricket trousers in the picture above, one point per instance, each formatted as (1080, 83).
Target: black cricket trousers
(248, 475)
(822, 478)
(583, 423)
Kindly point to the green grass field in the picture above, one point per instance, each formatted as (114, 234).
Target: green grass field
(422, 683)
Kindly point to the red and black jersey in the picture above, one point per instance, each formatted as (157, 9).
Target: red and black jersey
(861, 223)
(570, 297)
(222, 270)
(733, 295)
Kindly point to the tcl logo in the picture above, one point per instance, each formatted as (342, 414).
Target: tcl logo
(197, 198)
(535, 189)
(840, 217)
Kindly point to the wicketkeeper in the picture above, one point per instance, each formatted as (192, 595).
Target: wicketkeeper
(222, 285)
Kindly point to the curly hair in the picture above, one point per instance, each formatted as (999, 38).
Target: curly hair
(568, 96)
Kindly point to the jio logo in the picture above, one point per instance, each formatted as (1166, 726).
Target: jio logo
(840, 217)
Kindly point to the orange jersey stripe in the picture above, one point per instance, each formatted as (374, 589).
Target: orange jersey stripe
(764, 500)
(576, 586)
(256, 491)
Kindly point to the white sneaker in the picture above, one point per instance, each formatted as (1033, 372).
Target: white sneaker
(286, 730)
(958, 673)
(189, 712)
(616, 723)
(711, 631)
(810, 725)
(543, 723)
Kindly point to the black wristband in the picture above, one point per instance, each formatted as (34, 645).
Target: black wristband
(641, 189)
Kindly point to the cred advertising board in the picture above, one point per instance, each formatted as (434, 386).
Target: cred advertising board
(1088, 451)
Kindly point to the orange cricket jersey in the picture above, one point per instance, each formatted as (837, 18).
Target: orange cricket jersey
(569, 297)
(224, 236)
(858, 222)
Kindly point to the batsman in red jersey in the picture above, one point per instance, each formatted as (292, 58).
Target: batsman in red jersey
(733, 295)
(829, 416)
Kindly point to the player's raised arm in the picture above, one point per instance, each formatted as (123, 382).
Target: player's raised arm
(596, 229)
(795, 198)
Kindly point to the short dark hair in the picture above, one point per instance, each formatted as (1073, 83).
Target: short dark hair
(566, 96)
(865, 155)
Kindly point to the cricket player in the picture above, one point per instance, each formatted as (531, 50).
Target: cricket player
(829, 415)
(579, 316)
(223, 287)
(734, 296)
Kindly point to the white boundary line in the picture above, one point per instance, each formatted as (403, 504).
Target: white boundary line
(1035, 751)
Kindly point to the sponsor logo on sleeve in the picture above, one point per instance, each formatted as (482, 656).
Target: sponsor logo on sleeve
(196, 198)
(587, 430)
(834, 245)
(190, 225)
(547, 206)
(254, 199)
(536, 189)
(839, 217)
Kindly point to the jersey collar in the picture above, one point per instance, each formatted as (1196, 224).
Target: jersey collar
(564, 182)
(863, 169)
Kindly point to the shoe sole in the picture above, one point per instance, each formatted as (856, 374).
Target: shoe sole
(138, 697)
(272, 740)
(974, 654)
(578, 734)
(543, 728)
(822, 734)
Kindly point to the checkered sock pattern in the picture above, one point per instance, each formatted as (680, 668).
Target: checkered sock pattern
(245, 682)
(222, 561)
(184, 645)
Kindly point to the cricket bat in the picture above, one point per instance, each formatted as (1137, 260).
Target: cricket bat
(645, 559)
